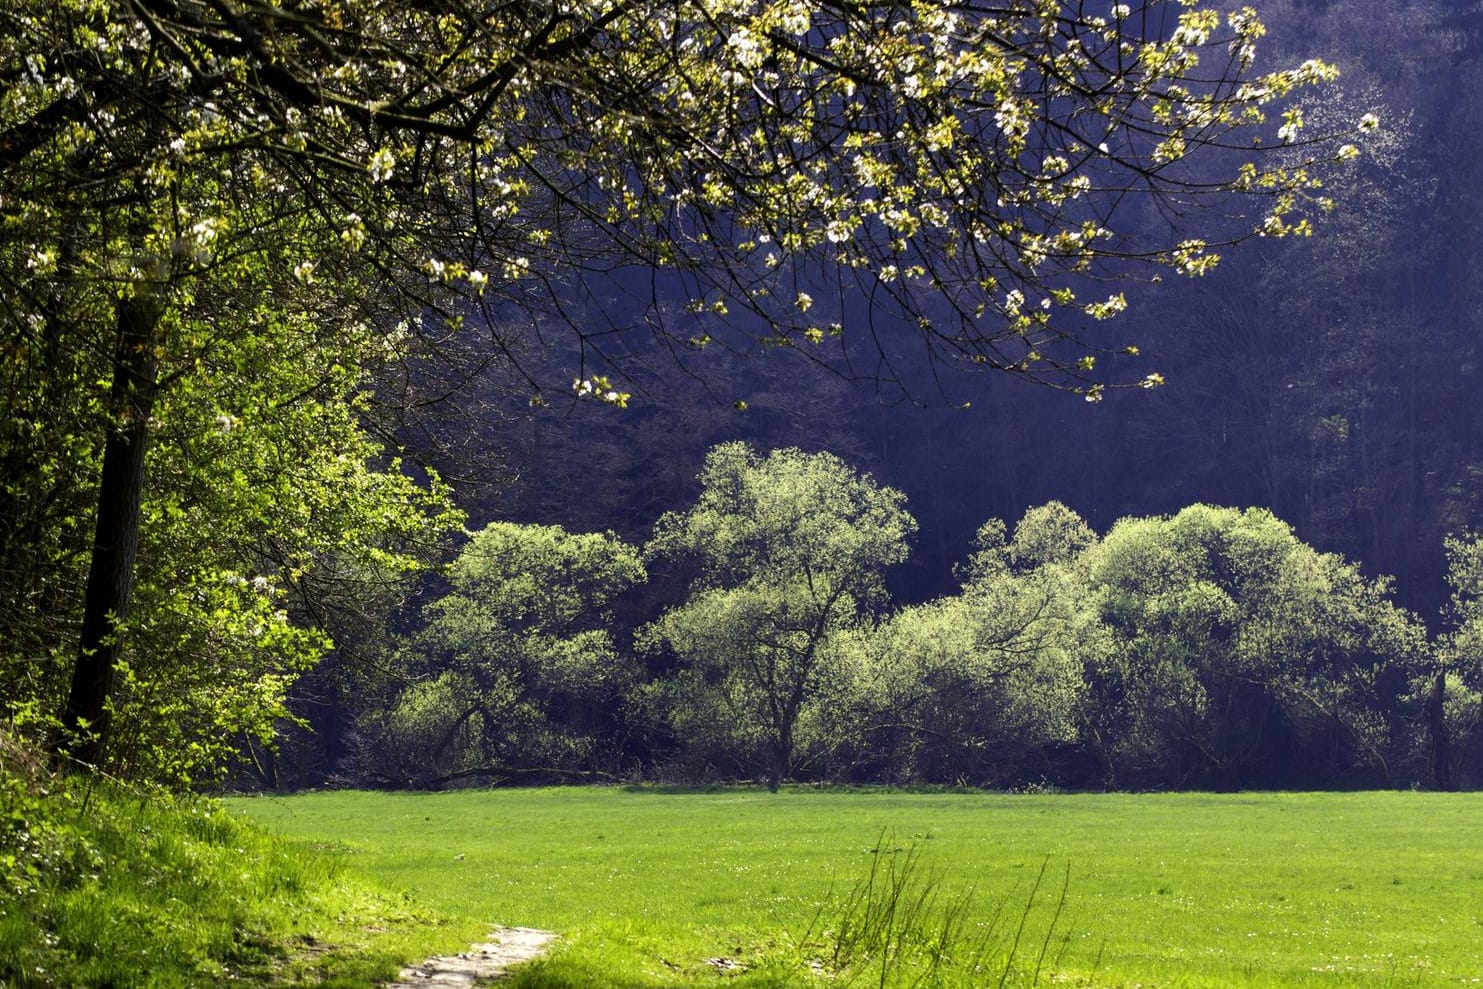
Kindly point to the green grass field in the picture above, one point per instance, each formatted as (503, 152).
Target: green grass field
(1194, 890)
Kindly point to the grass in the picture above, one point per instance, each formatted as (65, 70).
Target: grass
(657, 887)
(103, 887)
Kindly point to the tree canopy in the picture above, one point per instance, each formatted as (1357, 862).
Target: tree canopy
(789, 550)
(523, 630)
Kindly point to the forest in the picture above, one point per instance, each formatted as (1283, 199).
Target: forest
(403, 396)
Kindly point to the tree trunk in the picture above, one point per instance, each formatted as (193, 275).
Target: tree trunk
(85, 719)
(1439, 765)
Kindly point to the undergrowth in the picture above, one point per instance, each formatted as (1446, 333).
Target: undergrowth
(102, 886)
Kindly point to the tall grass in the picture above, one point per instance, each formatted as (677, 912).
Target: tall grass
(106, 887)
(902, 925)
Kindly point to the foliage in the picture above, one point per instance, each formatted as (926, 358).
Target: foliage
(980, 686)
(1452, 694)
(1234, 648)
(895, 140)
(104, 886)
(789, 550)
(265, 491)
(515, 665)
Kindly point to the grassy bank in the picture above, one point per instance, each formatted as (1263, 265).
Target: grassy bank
(102, 887)
(656, 887)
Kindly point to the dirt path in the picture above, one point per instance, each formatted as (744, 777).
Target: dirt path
(482, 963)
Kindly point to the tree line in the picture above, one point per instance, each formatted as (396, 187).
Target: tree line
(753, 638)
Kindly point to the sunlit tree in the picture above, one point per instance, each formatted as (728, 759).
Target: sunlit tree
(790, 550)
(515, 664)
(980, 685)
(1236, 654)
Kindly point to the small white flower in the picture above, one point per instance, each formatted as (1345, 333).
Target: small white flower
(205, 231)
(304, 272)
(478, 279)
(804, 301)
(748, 52)
(1121, 11)
(226, 423)
(354, 234)
(1369, 122)
(42, 260)
(838, 231)
(795, 20)
(1346, 153)
(382, 164)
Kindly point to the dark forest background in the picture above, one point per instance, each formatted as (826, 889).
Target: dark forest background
(1332, 379)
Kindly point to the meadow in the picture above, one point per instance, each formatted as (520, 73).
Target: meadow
(658, 887)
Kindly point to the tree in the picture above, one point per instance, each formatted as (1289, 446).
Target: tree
(174, 173)
(789, 551)
(984, 684)
(1451, 692)
(1238, 654)
(515, 662)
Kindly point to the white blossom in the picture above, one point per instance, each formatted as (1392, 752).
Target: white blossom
(382, 164)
